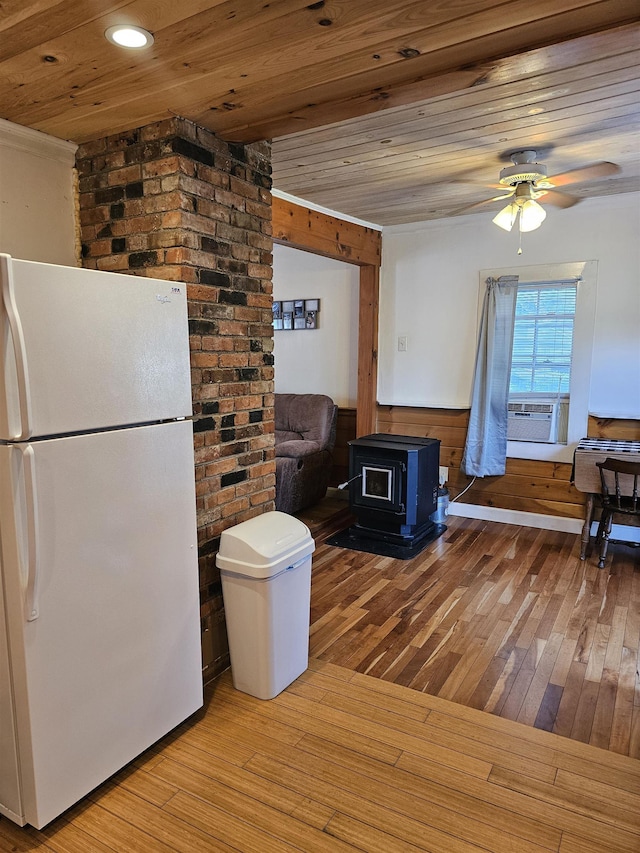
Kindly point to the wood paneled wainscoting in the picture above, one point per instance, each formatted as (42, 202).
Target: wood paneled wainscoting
(527, 486)
(345, 432)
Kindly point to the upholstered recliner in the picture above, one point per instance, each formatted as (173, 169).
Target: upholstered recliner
(305, 426)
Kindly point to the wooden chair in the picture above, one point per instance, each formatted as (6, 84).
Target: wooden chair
(619, 480)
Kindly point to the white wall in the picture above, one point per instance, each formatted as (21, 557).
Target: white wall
(37, 214)
(429, 292)
(322, 360)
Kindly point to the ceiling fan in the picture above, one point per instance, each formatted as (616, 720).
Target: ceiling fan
(527, 181)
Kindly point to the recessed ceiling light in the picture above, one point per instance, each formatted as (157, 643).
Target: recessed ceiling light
(127, 36)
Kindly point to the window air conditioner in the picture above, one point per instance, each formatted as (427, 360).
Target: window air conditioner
(533, 421)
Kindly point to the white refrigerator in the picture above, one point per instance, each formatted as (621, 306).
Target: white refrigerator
(99, 606)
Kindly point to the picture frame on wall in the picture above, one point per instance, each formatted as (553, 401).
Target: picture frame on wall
(295, 313)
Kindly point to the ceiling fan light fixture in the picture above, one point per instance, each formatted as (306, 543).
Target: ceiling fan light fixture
(524, 169)
(507, 216)
(532, 215)
(133, 38)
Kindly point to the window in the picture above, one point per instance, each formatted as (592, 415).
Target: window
(581, 276)
(543, 338)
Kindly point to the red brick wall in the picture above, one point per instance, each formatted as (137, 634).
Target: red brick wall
(173, 201)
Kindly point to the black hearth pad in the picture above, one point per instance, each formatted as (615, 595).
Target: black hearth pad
(347, 539)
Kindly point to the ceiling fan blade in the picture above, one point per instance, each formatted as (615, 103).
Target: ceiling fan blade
(556, 198)
(468, 207)
(586, 173)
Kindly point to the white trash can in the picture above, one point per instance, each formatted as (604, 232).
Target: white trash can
(265, 566)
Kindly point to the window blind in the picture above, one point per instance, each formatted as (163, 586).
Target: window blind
(543, 338)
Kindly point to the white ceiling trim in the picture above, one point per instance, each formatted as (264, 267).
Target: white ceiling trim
(35, 142)
(335, 213)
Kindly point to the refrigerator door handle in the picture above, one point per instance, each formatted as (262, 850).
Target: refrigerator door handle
(19, 349)
(31, 601)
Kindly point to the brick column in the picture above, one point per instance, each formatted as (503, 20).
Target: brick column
(172, 201)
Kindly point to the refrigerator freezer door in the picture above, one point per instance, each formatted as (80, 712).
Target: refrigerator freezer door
(112, 661)
(83, 349)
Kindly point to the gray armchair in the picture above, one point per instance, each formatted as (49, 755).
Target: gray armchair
(305, 427)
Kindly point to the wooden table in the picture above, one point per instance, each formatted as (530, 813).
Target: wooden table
(587, 475)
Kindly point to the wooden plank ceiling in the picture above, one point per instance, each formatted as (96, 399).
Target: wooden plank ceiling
(388, 110)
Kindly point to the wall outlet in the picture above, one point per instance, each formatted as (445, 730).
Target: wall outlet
(443, 475)
(402, 343)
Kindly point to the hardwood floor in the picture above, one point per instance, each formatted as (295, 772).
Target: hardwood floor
(496, 617)
(342, 761)
(506, 618)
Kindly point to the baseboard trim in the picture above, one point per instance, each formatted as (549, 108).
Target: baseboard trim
(511, 516)
(621, 532)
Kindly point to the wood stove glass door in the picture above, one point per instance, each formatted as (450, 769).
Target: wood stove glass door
(378, 484)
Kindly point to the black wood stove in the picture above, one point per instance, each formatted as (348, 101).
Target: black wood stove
(393, 488)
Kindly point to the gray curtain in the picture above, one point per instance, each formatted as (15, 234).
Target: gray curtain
(485, 451)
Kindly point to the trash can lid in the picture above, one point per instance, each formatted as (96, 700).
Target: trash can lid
(261, 546)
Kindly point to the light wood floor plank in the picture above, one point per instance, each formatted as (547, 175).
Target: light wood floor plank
(314, 724)
(535, 694)
(575, 844)
(364, 837)
(616, 817)
(158, 824)
(144, 785)
(235, 833)
(598, 789)
(452, 789)
(439, 737)
(550, 815)
(232, 817)
(68, 838)
(394, 793)
(589, 764)
(388, 703)
(623, 709)
(14, 839)
(115, 832)
(360, 807)
(499, 727)
(419, 744)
